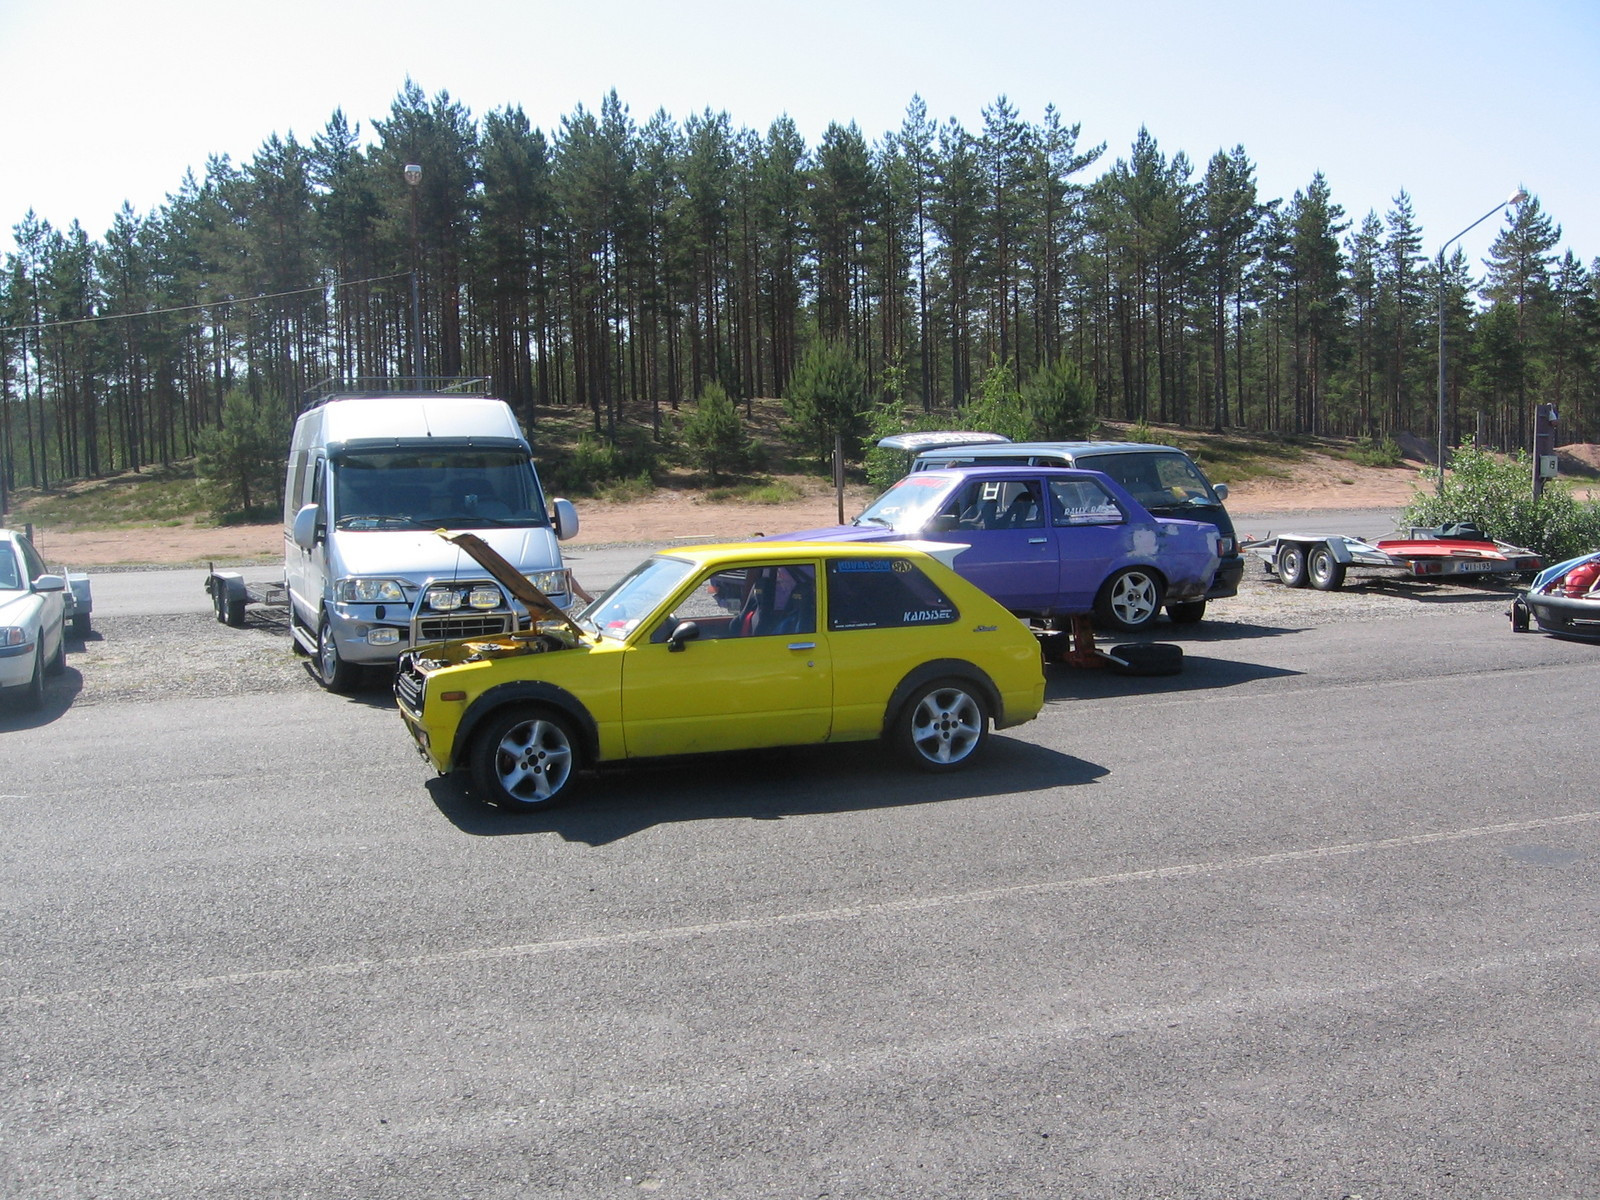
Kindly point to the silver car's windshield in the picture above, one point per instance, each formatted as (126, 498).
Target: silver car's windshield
(634, 597)
(906, 507)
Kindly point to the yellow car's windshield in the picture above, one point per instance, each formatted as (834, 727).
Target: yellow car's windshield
(634, 597)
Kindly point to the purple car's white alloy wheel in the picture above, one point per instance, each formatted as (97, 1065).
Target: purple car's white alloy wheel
(946, 725)
(1133, 598)
(534, 760)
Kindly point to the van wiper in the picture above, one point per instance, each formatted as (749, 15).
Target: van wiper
(376, 521)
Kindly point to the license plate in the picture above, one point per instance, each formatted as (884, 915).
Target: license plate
(1480, 566)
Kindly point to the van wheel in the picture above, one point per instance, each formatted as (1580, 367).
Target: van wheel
(524, 758)
(1189, 612)
(333, 673)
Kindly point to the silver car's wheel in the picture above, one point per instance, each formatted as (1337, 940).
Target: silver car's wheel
(525, 758)
(1130, 599)
(30, 697)
(943, 726)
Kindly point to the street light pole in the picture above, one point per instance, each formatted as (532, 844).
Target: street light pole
(413, 179)
(1516, 197)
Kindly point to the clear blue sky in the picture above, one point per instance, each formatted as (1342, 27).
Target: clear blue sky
(1456, 101)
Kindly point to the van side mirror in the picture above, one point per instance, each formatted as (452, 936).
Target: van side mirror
(1221, 489)
(307, 524)
(566, 519)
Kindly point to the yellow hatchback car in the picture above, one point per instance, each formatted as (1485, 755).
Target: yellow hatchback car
(731, 647)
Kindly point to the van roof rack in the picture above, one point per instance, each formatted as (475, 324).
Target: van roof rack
(397, 385)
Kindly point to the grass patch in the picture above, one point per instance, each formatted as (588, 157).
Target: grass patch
(761, 491)
(155, 497)
(622, 491)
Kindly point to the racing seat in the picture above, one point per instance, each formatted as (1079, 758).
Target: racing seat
(1022, 513)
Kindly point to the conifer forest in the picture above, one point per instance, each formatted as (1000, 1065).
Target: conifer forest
(620, 267)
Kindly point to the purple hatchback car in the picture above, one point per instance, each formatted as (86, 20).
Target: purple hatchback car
(1049, 542)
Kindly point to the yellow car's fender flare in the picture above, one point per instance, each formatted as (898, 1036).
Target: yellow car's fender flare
(526, 691)
(933, 671)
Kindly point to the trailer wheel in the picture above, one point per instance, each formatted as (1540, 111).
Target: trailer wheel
(235, 612)
(1325, 571)
(1291, 564)
(1519, 616)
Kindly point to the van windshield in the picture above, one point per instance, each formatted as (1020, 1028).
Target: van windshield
(462, 487)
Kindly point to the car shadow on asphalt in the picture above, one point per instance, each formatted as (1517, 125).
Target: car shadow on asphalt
(60, 690)
(761, 785)
(1199, 673)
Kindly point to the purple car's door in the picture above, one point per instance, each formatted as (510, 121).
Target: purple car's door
(1012, 544)
(1092, 537)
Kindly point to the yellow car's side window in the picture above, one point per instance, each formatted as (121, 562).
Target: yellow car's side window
(756, 601)
(884, 593)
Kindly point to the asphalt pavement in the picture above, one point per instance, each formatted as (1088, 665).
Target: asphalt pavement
(1314, 918)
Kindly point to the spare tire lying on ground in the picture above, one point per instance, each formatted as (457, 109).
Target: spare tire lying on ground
(1151, 658)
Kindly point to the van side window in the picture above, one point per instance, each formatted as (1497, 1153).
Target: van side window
(295, 487)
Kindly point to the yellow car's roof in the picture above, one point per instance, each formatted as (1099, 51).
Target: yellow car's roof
(710, 554)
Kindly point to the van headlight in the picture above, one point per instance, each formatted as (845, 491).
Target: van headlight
(551, 583)
(369, 591)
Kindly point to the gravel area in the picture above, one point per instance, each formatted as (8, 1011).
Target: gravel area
(193, 655)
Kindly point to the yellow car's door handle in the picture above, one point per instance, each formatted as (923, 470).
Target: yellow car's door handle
(802, 645)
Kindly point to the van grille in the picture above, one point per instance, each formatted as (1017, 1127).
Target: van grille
(441, 629)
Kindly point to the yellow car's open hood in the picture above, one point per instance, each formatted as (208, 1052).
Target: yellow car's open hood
(540, 607)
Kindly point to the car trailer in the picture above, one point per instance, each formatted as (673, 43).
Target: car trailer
(1451, 552)
(230, 594)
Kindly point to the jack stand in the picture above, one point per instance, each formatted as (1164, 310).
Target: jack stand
(1074, 647)
(1082, 652)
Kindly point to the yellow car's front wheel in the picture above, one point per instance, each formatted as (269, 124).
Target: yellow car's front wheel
(943, 726)
(525, 757)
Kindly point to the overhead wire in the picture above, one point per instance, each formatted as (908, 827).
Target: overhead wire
(157, 312)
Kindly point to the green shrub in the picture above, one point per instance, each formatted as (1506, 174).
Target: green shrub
(240, 462)
(827, 398)
(1369, 452)
(1497, 496)
(1058, 403)
(713, 434)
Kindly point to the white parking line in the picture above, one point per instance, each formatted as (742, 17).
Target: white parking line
(777, 921)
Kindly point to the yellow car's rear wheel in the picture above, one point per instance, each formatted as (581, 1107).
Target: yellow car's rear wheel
(943, 726)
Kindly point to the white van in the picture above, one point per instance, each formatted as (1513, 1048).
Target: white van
(371, 477)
